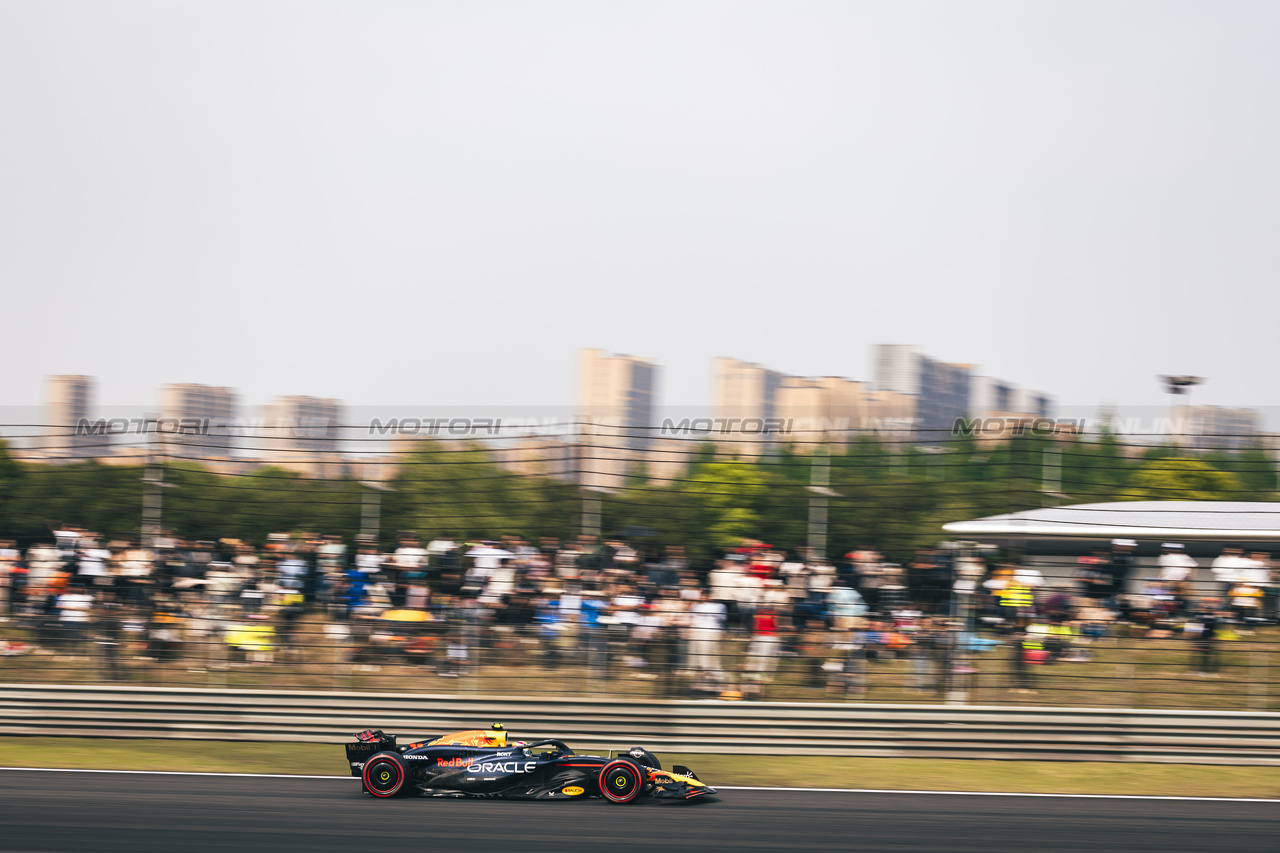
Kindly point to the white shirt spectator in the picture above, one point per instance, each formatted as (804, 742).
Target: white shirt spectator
(775, 595)
(724, 581)
(793, 575)
(291, 571)
(1228, 567)
(500, 581)
(672, 611)
(93, 562)
(410, 558)
(74, 606)
(1176, 566)
(707, 616)
(821, 577)
(440, 547)
(137, 563)
(626, 609)
(750, 590)
(68, 541)
(1254, 572)
(1028, 577)
(570, 603)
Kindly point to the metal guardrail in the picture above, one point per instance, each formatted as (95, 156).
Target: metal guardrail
(898, 731)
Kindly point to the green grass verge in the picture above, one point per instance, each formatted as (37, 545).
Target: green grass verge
(784, 771)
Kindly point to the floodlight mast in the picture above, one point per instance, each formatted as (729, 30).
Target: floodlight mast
(1180, 384)
(1177, 386)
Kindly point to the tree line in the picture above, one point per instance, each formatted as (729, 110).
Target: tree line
(879, 495)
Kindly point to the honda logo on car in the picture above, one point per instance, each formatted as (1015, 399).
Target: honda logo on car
(503, 767)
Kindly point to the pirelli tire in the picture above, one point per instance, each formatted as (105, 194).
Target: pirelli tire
(384, 775)
(622, 781)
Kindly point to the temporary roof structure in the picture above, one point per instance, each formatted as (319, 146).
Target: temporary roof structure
(1245, 521)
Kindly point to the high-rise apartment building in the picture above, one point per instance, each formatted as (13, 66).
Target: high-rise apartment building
(67, 401)
(1034, 403)
(197, 421)
(616, 403)
(1216, 427)
(824, 407)
(744, 390)
(798, 409)
(299, 423)
(941, 389)
(996, 398)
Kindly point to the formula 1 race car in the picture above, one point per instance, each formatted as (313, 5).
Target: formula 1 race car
(482, 763)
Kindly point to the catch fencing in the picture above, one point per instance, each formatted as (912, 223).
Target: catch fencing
(712, 726)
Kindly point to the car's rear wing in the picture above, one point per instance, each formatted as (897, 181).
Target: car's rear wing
(368, 743)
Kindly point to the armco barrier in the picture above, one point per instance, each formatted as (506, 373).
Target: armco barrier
(994, 732)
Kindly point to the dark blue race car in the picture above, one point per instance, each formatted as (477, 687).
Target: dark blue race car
(483, 763)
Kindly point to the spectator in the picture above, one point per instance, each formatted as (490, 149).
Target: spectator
(1204, 633)
(410, 565)
(869, 569)
(74, 606)
(763, 651)
(1227, 569)
(9, 557)
(1021, 643)
(1177, 569)
(92, 563)
(1120, 566)
(847, 608)
(706, 626)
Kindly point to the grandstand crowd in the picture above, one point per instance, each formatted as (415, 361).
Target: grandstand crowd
(613, 606)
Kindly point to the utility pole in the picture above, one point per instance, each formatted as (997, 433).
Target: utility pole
(371, 509)
(153, 483)
(819, 500)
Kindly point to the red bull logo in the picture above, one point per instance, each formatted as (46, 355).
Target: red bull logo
(453, 762)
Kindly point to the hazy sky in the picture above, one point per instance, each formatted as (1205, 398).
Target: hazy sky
(438, 203)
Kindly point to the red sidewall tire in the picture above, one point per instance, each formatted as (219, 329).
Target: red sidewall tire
(614, 772)
(380, 764)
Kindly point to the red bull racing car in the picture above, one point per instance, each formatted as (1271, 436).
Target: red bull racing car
(483, 763)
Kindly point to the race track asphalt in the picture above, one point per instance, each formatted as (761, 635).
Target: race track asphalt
(50, 811)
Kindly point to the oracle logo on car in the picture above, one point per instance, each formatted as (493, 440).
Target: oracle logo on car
(503, 767)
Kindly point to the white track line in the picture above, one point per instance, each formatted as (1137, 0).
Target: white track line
(1005, 794)
(176, 773)
(719, 788)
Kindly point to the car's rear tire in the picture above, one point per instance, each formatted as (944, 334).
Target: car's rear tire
(621, 781)
(384, 775)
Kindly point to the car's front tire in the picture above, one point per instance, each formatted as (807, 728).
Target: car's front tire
(621, 781)
(384, 775)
